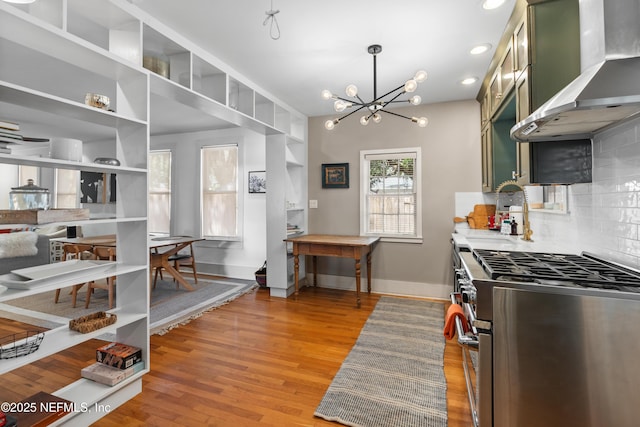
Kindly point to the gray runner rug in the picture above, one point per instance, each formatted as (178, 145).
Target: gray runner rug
(394, 374)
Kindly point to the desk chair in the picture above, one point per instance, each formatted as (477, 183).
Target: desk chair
(74, 251)
(107, 254)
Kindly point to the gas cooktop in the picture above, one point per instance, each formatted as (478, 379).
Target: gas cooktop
(557, 269)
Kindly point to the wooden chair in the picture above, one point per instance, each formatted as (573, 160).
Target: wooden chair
(73, 251)
(185, 260)
(107, 254)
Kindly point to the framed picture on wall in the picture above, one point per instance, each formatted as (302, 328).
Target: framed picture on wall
(335, 175)
(97, 187)
(257, 182)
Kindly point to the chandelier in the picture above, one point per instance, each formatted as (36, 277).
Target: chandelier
(372, 109)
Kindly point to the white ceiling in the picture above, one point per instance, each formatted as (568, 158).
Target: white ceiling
(323, 44)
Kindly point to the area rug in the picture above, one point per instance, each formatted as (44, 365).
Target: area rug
(394, 374)
(169, 308)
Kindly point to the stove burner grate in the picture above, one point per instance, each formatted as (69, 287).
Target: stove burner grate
(560, 269)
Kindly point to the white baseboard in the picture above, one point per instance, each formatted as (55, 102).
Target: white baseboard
(382, 286)
(231, 271)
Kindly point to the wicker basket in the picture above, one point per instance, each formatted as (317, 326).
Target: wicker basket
(261, 275)
(20, 344)
(92, 322)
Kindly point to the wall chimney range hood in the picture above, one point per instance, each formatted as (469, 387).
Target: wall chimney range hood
(608, 89)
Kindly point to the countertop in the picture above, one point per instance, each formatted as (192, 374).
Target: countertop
(489, 239)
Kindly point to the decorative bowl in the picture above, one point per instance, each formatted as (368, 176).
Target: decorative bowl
(97, 100)
(107, 161)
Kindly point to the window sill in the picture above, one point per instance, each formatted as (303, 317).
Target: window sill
(221, 243)
(397, 239)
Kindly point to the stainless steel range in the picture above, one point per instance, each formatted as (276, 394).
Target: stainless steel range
(556, 335)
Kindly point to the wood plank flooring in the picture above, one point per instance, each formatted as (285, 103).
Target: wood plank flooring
(259, 361)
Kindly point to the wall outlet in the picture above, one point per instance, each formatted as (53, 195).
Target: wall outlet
(313, 204)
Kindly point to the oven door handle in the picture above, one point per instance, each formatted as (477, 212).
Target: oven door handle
(470, 341)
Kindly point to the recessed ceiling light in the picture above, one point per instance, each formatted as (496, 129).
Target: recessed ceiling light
(20, 1)
(469, 81)
(492, 4)
(482, 48)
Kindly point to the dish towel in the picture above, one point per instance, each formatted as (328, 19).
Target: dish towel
(22, 243)
(450, 321)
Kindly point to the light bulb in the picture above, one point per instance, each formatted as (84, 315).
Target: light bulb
(415, 100)
(422, 121)
(364, 121)
(351, 90)
(326, 94)
(377, 118)
(410, 86)
(420, 76)
(330, 124)
(339, 106)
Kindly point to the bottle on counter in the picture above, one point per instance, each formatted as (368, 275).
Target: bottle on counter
(514, 227)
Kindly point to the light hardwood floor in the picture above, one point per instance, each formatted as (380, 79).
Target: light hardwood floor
(258, 361)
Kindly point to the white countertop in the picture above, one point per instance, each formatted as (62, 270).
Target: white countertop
(493, 240)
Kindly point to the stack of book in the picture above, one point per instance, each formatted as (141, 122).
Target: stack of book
(115, 363)
(11, 142)
(292, 229)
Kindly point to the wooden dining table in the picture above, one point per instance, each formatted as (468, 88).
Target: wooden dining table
(355, 247)
(158, 254)
(160, 258)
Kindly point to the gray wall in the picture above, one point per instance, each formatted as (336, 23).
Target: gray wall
(450, 163)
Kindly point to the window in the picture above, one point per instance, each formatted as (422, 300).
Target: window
(160, 192)
(25, 173)
(219, 192)
(390, 202)
(67, 182)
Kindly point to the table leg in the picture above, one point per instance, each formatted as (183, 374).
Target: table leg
(296, 267)
(315, 270)
(358, 282)
(369, 272)
(175, 274)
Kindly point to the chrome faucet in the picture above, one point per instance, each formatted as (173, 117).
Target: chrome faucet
(526, 228)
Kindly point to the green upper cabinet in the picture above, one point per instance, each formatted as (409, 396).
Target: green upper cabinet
(538, 55)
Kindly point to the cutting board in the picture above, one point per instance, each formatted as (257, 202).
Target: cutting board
(479, 218)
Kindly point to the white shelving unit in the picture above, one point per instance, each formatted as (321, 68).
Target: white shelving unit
(286, 209)
(56, 51)
(49, 62)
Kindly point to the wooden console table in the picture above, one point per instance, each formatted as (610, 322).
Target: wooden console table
(339, 246)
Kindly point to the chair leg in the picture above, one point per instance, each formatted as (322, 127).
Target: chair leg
(74, 294)
(155, 277)
(89, 292)
(57, 296)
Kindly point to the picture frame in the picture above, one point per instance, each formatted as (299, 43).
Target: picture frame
(257, 182)
(335, 175)
(97, 187)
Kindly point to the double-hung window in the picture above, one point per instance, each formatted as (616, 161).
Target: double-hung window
(390, 201)
(219, 192)
(160, 192)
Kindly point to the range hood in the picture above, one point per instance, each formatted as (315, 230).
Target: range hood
(608, 89)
